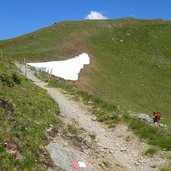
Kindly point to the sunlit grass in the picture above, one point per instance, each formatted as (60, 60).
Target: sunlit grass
(111, 115)
(28, 111)
(130, 58)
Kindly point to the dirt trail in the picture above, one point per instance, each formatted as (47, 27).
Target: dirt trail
(122, 150)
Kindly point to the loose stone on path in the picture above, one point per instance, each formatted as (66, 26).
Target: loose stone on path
(67, 158)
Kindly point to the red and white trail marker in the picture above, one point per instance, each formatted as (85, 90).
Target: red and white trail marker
(79, 164)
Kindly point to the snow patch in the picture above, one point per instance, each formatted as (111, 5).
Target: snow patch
(68, 69)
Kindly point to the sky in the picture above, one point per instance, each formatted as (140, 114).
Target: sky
(18, 17)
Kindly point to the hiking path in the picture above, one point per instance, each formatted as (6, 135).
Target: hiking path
(116, 149)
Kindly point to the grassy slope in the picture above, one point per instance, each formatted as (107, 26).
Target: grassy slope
(134, 74)
(28, 111)
(111, 114)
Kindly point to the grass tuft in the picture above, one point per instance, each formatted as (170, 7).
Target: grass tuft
(151, 152)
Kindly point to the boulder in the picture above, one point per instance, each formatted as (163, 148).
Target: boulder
(144, 117)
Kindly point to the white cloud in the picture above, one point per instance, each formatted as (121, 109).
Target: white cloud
(95, 16)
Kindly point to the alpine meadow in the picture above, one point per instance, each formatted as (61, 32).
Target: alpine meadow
(130, 58)
(129, 73)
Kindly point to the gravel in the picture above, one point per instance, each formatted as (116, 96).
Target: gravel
(119, 146)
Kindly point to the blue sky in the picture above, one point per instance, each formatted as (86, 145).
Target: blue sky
(19, 17)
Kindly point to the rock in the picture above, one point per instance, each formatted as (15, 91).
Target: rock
(11, 146)
(117, 145)
(111, 151)
(6, 105)
(121, 40)
(105, 148)
(123, 149)
(145, 118)
(63, 157)
(9, 113)
(45, 166)
(54, 140)
(20, 157)
(65, 144)
(49, 129)
(90, 102)
(87, 141)
(140, 161)
(137, 163)
(152, 165)
(94, 118)
(164, 126)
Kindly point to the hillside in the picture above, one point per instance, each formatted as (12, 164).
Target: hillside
(130, 58)
(25, 113)
(110, 146)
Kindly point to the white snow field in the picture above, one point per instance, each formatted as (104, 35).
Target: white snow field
(68, 69)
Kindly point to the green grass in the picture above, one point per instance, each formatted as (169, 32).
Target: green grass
(134, 74)
(153, 135)
(151, 151)
(167, 168)
(112, 114)
(28, 112)
(104, 110)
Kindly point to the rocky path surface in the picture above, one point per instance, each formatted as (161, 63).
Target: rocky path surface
(117, 149)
